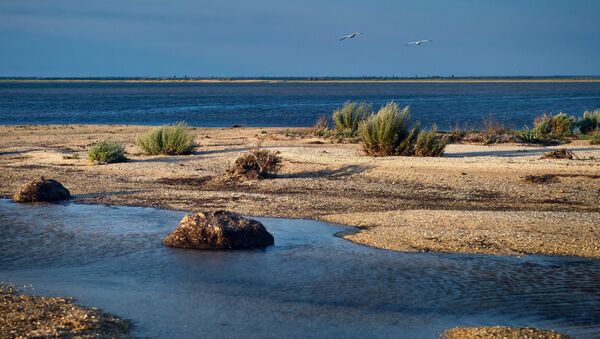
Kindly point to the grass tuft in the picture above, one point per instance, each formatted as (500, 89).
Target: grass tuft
(554, 126)
(169, 140)
(348, 117)
(386, 132)
(390, 132)
(107, 152)
(590, 121)
(430, 143)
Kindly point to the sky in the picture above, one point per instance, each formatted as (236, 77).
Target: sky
(226, 38)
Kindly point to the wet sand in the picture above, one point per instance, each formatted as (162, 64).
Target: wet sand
(473, 200)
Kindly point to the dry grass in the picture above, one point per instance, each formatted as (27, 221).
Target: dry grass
(255, 164)
(561, 153)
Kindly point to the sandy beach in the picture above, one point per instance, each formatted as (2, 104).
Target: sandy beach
(475, 199)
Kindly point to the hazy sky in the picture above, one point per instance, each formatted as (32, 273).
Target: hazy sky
(298, 38)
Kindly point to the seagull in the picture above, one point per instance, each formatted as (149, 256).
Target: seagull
(353, 35)
(418, 43)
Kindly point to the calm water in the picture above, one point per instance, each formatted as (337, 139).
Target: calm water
(223, 105)
(310, 284)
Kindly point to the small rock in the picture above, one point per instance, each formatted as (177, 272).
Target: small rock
(219, 230)
(42, 190)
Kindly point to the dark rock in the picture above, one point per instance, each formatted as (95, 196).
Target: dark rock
(42, 190)
(219, 230)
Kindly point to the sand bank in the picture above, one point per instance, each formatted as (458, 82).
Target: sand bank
(473, 200)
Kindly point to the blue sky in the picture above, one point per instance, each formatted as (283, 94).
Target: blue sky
(298, 38)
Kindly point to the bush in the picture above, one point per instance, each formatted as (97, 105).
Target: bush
(430, 143)
(556, 126)
(388, 131)
(595, 140)
(590, 121)
(255, 164)
(321, 127)
(169, 140)
(107, 152)
(348, 117)
(531, 136)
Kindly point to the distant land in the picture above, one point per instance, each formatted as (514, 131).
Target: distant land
(317, 79)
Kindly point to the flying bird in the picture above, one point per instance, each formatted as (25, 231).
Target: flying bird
(418, 43)
(350, 36)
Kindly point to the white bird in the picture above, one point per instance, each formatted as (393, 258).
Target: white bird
(350, 36)
(418, 43)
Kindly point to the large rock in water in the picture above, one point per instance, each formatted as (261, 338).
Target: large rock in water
(219, 230)
(42, 190)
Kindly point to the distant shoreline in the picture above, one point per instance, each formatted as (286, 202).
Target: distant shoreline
(308, 80)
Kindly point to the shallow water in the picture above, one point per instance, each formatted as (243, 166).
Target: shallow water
(285, 104)
(310, 284)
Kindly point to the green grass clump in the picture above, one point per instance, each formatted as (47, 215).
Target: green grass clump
(430, 143)
(391, 132)
(169, 140)
(387, 131)
(348, 117)
(595, 140)
(107, 152)
(554, 126)
(590, 121)
(531, 136)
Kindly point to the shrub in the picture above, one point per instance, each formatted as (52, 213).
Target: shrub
(531, 136)
(107, 152)
(388, 131)
(457, 134)
(492, 126)
(170, 140)
(595, 140)
(348, 117)
(322, 123)
(255, 164)
(321, 127)
(430, 143)
(556, 126)
(590, 121)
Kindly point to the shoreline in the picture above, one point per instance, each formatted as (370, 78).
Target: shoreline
(473, 200)
(276, 81)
